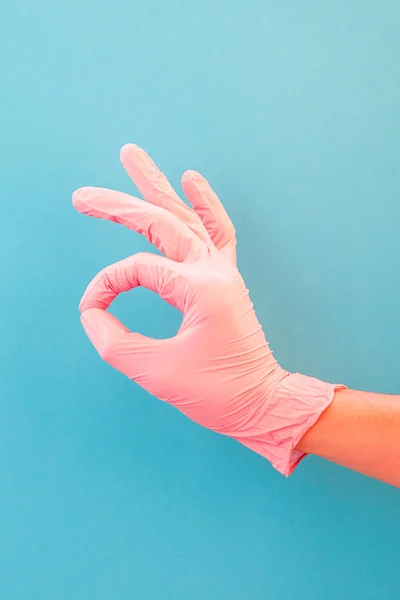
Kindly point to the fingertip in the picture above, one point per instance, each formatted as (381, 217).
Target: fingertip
(81, 307)
(88, 319)
(193, 178)
(82, 304)
(127, 150)
(84, 317)
(80, 195)
(93, 326)
(90, 302)
(189, 175)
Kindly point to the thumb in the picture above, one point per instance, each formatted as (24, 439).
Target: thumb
(131, 353)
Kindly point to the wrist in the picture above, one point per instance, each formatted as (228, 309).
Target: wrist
(293, 405)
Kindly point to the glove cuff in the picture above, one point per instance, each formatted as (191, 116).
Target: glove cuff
(291, 409)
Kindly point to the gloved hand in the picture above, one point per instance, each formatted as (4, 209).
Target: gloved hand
(218, 370)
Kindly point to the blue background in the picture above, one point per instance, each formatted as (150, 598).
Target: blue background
(291, 109)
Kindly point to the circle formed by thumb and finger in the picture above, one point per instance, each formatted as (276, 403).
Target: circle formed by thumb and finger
(131, 353)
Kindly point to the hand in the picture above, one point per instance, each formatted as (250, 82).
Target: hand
(218, 370)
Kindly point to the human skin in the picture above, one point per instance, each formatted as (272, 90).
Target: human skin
(360, 431)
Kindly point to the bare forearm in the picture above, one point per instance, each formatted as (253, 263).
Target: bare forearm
(360, 431)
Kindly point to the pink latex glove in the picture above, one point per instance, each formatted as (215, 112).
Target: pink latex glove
(218, 370)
